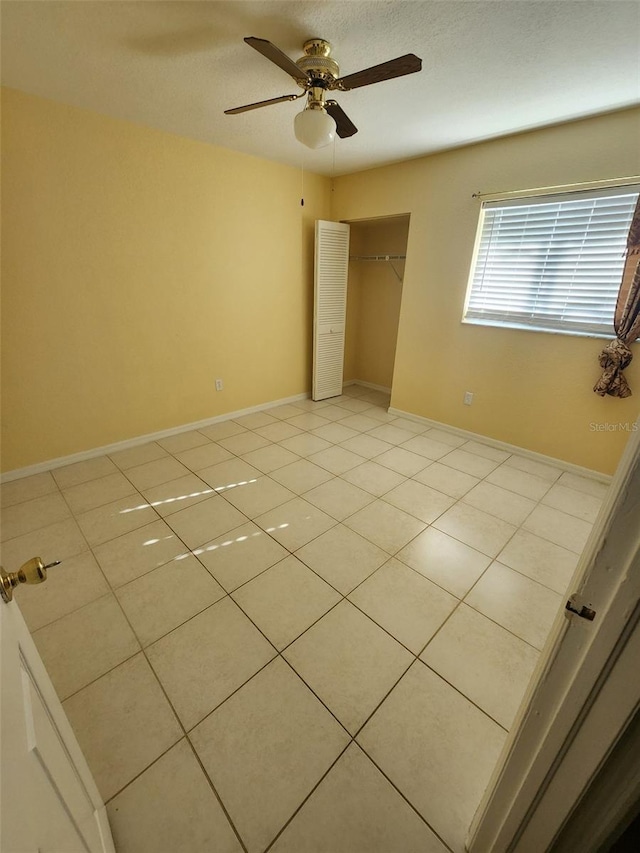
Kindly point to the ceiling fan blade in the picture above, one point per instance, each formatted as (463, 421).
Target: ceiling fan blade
(274, 54)
(407, 64)
(259, 104)
(344, 126)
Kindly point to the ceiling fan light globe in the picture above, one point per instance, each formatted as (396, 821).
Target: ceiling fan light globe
(314, 128)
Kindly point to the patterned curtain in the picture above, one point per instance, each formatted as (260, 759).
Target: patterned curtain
(617, 355)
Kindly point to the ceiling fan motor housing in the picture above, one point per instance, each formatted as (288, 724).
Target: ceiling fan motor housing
(318, 64)
(317, 73)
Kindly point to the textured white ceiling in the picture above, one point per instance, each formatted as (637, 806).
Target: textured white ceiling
(489, 68)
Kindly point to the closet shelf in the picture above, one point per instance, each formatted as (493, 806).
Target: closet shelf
(388, 258)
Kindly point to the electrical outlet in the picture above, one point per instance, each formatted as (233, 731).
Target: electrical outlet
(219, 385)
(468, 398)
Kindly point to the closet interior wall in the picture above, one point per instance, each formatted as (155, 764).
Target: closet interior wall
(374, 294)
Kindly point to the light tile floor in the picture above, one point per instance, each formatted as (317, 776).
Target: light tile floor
(305, 630)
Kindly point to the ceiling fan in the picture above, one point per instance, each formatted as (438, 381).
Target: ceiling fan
(318, 73)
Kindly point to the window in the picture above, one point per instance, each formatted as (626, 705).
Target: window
(552, 263)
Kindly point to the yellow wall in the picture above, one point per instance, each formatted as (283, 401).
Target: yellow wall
(137, 267)
(373, 315)
(531, 389)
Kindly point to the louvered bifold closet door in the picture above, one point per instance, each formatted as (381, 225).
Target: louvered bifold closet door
(330, 308)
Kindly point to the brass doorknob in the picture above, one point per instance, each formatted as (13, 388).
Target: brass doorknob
(33, 571)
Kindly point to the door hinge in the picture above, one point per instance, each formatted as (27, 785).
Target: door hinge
(575, 605)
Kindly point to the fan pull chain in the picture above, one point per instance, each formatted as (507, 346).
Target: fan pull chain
(302, 179)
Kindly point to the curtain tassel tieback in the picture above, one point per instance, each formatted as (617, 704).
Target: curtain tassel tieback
(613, 360)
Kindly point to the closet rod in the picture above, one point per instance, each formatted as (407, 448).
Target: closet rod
(377, 257)
(388, 258)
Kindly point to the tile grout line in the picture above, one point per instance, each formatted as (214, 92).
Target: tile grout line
(343, 597)
(182, 727)
(169, 454)
(216, 794)
(278, 654)
(195, 472)
(505, 729)
(404, 797)
(308, 796)
(249, 520)
(186, 733)
(360, 746)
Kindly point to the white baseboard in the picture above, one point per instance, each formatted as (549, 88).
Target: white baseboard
(509, 448)
(367, 385)
(50, 464)
(61, 461)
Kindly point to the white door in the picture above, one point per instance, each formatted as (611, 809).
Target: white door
(330, 307)
(586, 692)
(49, 802)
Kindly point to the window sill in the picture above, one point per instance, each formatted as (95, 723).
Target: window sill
(495, 324)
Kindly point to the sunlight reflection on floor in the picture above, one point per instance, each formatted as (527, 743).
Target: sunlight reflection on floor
(186, 497)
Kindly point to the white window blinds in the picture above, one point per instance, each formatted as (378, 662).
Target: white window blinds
(552, 262)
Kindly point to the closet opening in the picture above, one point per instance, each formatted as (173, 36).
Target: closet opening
(377, 254)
